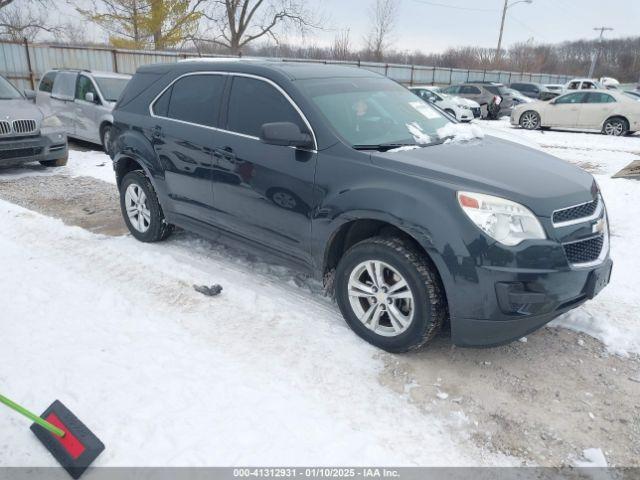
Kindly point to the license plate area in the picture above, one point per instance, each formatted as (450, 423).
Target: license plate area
(598, 279)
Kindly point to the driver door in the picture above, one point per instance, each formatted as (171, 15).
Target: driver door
(86, 111)
(565, 110)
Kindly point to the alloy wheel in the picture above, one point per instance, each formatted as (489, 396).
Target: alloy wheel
(381, 298)
(530, 120)
(615, 128)
(137, 209)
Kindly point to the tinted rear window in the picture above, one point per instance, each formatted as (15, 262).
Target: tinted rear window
(196, 99)
(497, 90)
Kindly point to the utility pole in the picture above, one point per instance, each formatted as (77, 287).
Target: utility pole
(507, 5)
(596, 54)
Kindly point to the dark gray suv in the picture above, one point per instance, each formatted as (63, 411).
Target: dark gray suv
(352, 178)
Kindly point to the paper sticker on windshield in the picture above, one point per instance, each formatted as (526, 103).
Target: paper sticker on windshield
(425, 110)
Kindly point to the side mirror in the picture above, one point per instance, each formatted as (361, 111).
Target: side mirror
(30, 94)
(285, 134)
(89, 97)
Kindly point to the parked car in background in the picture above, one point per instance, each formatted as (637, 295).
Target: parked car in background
(518, 97)
(408, 224)
(461, 109)
(583, 84)
(609, 111)
(483, 93)
(634, 93)
(610, 83)
(26, 134)
(537, 91)
(557, 88)
(83, 100)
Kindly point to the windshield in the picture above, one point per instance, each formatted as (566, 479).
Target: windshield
(374, 111)
(111, 88)
(8, 91)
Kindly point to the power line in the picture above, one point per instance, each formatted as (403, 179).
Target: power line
(456, 7)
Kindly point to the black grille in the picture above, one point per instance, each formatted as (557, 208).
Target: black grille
(5, 128)
(574, 213)
(19, 153)
(584, 251)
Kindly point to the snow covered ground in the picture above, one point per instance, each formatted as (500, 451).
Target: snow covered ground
(265, 374)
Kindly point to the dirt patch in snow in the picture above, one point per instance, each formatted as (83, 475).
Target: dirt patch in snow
(81, 201)
(544, 400)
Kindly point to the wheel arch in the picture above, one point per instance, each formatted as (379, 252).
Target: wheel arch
(616, 115)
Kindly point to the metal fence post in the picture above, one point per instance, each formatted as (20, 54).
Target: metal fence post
(411, 79)
(484, 75)
(450, 76)
(386, 69)
(26, 50)
(114, 56)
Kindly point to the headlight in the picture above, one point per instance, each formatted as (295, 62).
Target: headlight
(465, 107)
(503, 220)
(51, 121)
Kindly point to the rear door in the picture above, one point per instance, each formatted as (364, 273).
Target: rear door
(597, 108)
(565, 110)
(186, 115)
(43, 95)
(472, 92)
(270, 200)
(61, 102)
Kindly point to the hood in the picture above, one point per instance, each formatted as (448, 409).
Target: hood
(19, 109)
(540, 181)
(466, 101)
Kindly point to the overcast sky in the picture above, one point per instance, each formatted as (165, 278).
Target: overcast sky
(434, 25)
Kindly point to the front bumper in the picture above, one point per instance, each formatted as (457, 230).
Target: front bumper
(48, 145)
(517, 302)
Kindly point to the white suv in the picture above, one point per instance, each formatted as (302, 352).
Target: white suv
(462, 109)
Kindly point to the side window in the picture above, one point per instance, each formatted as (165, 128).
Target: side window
(64, 86)
(196, 99)
(571, 98)
(84, 86)
(46, 83)
(470, 90)
(253, 103)
(573, 86)
(588, 86)
(452, 90)
(597, 97)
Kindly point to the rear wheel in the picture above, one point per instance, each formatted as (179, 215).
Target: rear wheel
(389, 294)
(107, 139)
(141, 210)
(530, 120)
(615, 126)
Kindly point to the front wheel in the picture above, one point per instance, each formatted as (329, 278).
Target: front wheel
(615, 127)
(141, 210)
(389, 294)
(59, 162)
(530, 120)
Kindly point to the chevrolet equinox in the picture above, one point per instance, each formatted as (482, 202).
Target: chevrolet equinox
(350, 176)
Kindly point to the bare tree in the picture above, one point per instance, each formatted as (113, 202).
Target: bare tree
(383, 16)
(20, 20)
(341, 48)
(236, 23)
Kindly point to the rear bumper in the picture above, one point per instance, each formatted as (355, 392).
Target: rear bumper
(49, 145)
(519, 302)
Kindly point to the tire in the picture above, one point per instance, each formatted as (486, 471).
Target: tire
(398, 260)
(530, 120)
(616, 127)
(146, 227)
(106, 137)
(59, 162)
(451, 112)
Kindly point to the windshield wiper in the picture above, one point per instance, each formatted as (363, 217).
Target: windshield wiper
(383, 147)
